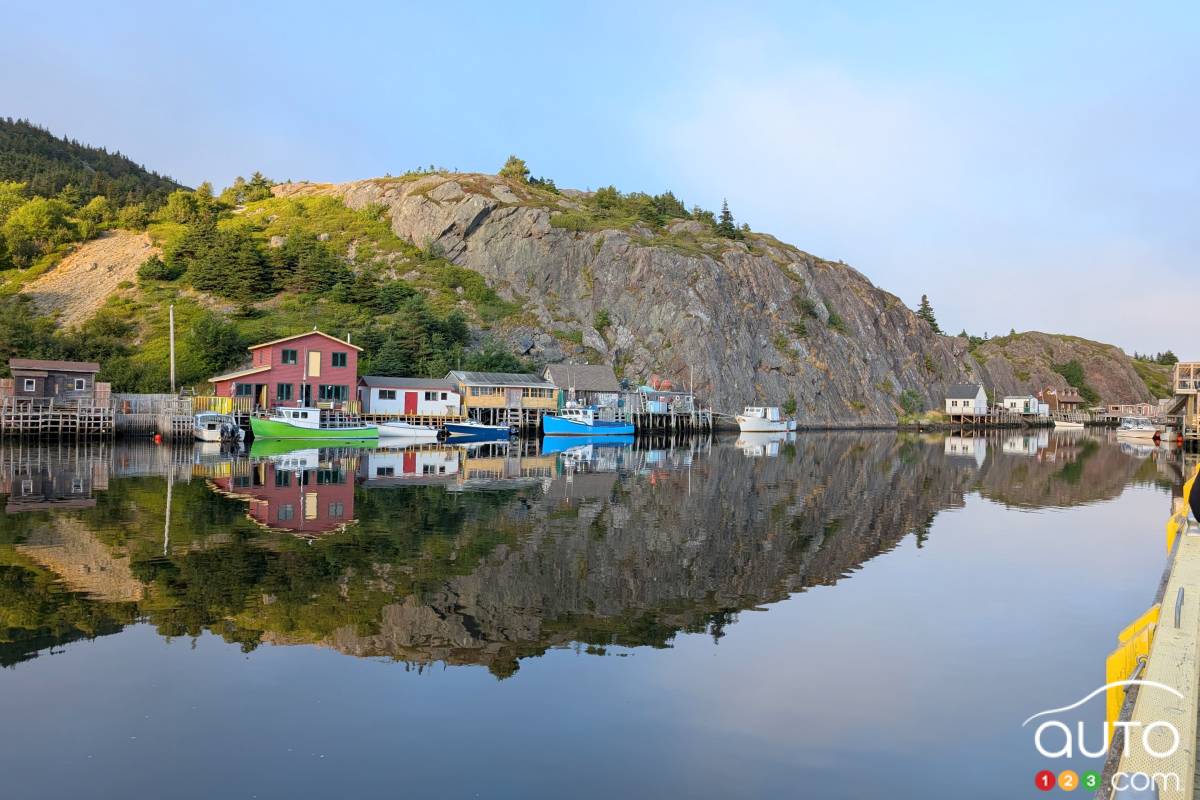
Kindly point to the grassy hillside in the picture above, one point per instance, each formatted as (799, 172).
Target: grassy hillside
(267, 268)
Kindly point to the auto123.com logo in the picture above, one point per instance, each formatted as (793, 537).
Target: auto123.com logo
(1055, 738)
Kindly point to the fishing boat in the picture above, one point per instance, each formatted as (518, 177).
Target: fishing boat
(478, 432)
(404, 429)
(307, 423)
(1137, 428)
(1069, 425)
(583, 422)
(209, 426)
(764, 419)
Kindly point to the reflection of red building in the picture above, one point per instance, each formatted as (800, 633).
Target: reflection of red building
(308, 502)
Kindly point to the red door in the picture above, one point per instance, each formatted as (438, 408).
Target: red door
(410, 402)
(410, 463)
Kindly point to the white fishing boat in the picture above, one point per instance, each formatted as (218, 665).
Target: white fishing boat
(1069, 425)
(209, 426)
(763, 419)
(390, 429)
(1137, 428)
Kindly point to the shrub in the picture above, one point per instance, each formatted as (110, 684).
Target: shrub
(836, 322)
(155, 269)
(911, 402)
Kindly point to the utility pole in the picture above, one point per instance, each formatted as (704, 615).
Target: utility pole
(171, 317)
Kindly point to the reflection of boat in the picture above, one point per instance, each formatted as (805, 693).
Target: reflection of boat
(1064, 424)
(583, 422)
(266, 448)
(478, 432)
(404, 429)
(761, 444)
(763, 419)
(552, 445)
(307, 423)
(1137, 428)
(209, 426)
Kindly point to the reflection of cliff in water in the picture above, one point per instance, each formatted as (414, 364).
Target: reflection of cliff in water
(633, 560)
(601, 545)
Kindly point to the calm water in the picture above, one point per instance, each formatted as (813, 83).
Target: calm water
(841, 616)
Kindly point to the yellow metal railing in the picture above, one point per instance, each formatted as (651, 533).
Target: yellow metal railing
(222, 405)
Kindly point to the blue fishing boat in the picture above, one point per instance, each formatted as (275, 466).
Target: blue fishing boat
(583, 422)
(478, 432)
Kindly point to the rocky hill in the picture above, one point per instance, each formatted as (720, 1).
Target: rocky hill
(750, 320)
(1028, 362)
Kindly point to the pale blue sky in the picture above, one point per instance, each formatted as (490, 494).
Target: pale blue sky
(1025, 164)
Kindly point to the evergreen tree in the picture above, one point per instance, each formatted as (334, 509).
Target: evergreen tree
(515, 168)
(925, 312)
(725, 224)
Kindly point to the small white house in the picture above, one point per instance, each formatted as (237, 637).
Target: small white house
(424, 397)
(1022, 404)
(966, 399)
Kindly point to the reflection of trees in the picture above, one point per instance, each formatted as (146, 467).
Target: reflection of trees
(489, 578)
(1070, 470)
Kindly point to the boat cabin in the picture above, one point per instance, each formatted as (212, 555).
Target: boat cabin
(769, 413)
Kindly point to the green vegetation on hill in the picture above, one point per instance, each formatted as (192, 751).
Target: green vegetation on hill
(47, 165)
(239, 275)
(1072, 372)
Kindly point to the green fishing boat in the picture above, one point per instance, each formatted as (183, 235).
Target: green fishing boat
(308, 424)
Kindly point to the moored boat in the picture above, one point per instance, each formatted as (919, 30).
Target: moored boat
(1066, 424)
(763, 419)
(209, 426)
(478, 432)
(307, 423)
(406, 430)
(1137, 428)
(583, 422)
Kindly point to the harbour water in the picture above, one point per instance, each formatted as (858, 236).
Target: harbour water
(849, 615)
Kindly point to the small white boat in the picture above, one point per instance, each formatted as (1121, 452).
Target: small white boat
(389, 429)
(209, 426)
(1137, 428)
(1065, 424)
(763, 419)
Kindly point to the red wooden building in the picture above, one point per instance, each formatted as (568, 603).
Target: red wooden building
(308, 369)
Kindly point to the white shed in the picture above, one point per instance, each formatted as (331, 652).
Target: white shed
(424, 397)
(966, 399)
(1022, 404)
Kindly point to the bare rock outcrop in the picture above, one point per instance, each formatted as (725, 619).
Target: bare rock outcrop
(746, 321)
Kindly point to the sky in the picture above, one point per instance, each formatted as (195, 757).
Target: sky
(1029, 166)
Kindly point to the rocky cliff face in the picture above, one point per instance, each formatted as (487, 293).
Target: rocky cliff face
(747, 321)
(1023, 363)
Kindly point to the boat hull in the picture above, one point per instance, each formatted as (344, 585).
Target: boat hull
(1136, 434)
(557, 426)
(1070, 426)
(403, 429)
(478, 433)
(761, 425)
(273, 429)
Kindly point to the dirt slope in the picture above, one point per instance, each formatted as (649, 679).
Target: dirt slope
(82, 281)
